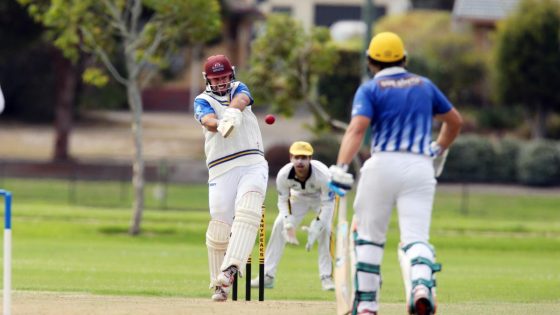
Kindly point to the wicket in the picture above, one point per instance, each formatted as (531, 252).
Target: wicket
(7, 251)
(261, 238)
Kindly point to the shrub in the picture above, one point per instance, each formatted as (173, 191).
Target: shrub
(506, 160)
(471, 159)
(325, 149)
(277, 156)
(539, 164)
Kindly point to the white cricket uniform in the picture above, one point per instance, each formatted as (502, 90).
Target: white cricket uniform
(400, 173)
(298, 198)
(236, 164)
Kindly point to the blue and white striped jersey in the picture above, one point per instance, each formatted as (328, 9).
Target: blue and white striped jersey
(401, 106)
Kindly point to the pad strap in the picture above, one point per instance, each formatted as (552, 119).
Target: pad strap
(425, 261)
(428, 283)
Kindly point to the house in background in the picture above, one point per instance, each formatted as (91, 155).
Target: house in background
(482, 16)
(327, 12)
(239, 20)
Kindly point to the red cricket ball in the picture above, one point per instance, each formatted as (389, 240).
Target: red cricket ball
(269, 119)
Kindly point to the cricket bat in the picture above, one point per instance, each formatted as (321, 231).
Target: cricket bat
(343, 264)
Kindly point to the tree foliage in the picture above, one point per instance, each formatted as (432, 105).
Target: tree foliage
(149, 29)
(142, 32)
(286, 63)
(448, 58)
(527, 60)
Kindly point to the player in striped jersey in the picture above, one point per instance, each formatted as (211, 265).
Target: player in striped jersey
(398, 107)
(238, 172)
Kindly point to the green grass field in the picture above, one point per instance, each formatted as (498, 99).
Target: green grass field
(505, 250)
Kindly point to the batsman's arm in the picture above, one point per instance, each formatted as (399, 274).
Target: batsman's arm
(210, 122)
(452, 123)
(352, 140)
(240, 101)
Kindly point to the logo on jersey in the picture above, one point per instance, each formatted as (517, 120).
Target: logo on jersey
(400, 83)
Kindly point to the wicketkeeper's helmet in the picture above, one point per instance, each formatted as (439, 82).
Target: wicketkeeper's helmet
(386, 47)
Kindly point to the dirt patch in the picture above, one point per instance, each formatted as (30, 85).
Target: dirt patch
(50, 303)
(39, 303)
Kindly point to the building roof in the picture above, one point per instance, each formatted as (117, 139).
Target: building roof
(483, 10)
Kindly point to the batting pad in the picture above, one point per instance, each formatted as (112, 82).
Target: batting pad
(244, 230)
(217, 238)
(416, 260)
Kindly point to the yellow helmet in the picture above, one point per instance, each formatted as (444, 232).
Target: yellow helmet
(386, 47)
(301, 148)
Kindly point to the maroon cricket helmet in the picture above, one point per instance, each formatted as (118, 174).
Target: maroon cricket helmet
(217, 66)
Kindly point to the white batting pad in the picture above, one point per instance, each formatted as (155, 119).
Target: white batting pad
(411, 273)
(244, 230)
(217, 238)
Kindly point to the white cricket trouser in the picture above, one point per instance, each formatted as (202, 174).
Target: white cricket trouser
(391, 179)
(225, 190)
(276, 244)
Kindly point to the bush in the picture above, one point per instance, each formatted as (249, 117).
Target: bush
(539, 164)
(338, 88)
(326, 149)
(277, 156)
(506, 160)
(471, 159)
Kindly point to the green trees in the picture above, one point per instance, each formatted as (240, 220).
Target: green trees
(434, 50)
(527, 58)
(142, 32)
(286, 63)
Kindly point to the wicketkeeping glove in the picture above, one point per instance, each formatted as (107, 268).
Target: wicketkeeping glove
(341, 181)
(315, 229)
(289, 230)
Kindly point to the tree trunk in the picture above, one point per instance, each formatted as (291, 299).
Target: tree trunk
(538, 128)
(66, 75)
(135, 102)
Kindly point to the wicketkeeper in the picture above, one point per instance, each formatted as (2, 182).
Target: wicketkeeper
(302, 186)
(237, 172)
(398, 107)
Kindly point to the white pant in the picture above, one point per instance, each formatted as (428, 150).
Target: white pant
(393, 178)
(390, 179)
(225, 190)
(275, 248)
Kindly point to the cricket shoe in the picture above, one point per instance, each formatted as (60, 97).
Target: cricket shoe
(226, 277)
(268, 282)
(327, 283)
(367, 312)
(220, 294)
(422, 302)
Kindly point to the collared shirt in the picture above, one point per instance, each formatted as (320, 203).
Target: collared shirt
(401, 106)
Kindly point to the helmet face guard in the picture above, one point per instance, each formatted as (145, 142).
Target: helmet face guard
(218, 66)
(222, 87)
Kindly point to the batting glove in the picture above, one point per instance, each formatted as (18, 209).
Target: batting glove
(231, 119)
(341, 181)
(234, 115)
(314, 230)
(289, 230)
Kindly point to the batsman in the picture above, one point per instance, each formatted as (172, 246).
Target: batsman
(237, 172)
(302, 187)
(398, 107)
